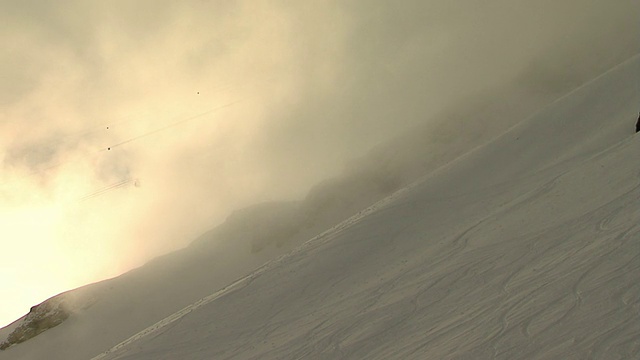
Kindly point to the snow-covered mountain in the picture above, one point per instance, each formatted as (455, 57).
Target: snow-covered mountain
(525, 246)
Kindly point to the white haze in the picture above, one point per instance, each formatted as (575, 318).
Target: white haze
(103, 155)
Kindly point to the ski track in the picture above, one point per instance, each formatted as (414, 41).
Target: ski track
(522, 315)
(243, 282)
(493, 285)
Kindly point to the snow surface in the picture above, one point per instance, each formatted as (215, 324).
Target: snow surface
(527, 247)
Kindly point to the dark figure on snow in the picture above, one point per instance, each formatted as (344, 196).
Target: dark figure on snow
(638, 124)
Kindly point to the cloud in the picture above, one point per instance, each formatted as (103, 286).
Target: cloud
(213, 105)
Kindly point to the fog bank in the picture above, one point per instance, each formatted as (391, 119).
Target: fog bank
(128, 128)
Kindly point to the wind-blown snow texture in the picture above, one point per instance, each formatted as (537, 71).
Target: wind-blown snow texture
(527, 247)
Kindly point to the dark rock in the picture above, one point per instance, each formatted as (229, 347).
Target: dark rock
(40, 318)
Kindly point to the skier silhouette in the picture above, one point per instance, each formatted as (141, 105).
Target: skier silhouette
(638, 124)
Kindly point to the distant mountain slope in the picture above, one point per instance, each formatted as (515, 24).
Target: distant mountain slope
(457, 203)
(525, 248)
(100, 315)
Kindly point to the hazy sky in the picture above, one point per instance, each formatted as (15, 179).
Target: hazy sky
(127, 128)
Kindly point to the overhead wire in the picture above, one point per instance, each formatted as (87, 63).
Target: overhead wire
(107, 189)
(123, 183)
(129, 119)
(171, 125)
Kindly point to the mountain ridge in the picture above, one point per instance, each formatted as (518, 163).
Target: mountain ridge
(500, 214)
(541, 185)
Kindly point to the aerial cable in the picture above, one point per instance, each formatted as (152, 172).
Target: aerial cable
(191, 118)
(183, 121)
(108, 188)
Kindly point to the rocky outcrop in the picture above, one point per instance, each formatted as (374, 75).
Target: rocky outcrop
(40, 318)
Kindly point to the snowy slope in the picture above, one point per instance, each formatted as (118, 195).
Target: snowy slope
(506, 239)
(528, 247)
(97, 316)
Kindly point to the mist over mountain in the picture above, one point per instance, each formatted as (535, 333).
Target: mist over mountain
(516, 244)
(129, 129)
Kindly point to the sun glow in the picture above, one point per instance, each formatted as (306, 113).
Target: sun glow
(30, 238)
(127, 130)
(52, 240)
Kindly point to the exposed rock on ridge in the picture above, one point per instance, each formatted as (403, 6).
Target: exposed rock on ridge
(40, 318)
